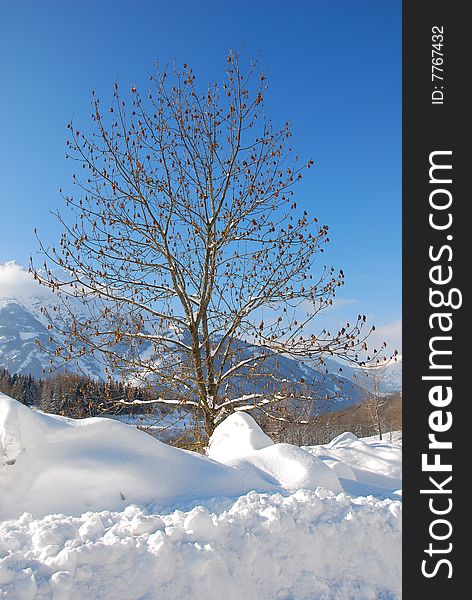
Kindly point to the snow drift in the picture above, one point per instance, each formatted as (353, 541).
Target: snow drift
(144, 520)
(240, 442)
(51, 464)
(238, 435)
(367, 466)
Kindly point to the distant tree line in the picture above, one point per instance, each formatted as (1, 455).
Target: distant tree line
(24, 388)
(77, 396)
(72, 395)
(357, 419)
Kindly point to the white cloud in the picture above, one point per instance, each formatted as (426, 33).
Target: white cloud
(16, 282)
(340, 302)
(390, 333)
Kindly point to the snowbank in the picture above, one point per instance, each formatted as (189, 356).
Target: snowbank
(52, 464)
(145, 520)
(239, 442)
(367, 466)
(306, 545)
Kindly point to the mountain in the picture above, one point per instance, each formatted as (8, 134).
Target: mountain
(297, 377)
(18, 331)
(22, 323)
(389, 375)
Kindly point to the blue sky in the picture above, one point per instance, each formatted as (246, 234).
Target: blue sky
(334, 69)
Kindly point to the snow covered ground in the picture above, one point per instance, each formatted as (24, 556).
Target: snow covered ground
(96, 509)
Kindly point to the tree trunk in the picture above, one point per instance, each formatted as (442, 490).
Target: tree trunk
(379, 427)
(210, 425)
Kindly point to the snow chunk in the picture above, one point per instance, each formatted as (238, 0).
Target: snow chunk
(93, 528)
(237, 436)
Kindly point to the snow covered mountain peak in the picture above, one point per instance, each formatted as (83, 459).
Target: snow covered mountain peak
(23, 324)
(18, 284)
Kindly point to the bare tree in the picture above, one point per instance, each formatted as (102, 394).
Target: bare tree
(187, 248)
(376, 400)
